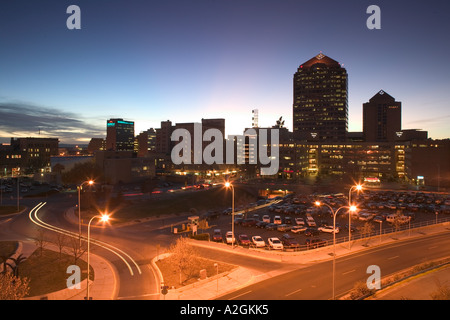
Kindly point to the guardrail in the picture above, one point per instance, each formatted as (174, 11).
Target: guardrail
(368, 236)
(376, 233)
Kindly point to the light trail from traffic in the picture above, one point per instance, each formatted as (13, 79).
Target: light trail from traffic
(33, 215)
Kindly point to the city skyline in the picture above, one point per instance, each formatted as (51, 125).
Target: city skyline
(148, 62)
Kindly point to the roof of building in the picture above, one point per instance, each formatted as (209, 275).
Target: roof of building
(322, 59)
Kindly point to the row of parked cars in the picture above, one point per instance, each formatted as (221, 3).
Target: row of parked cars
(285, 242)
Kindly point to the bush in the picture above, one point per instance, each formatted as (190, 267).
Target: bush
(360, 290)
(200, 236)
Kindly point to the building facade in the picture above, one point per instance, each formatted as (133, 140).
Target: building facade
(320, 106)
(119, 135)
(382, 118)
(27, 155)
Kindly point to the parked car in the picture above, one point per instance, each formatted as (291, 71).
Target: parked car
(352, 228)
(378, 219)
(298, 229)
(275, 243)
(310, 220)
(217, 235)
(258, 242)
(287, 220)
(249, 222)
(266, 218)
(244, 240)
(315, 243)
(277, 220)
(271, 226)
(229, 237)
(261, 224)
(289, 242)
(328, 229)
(309, 232)
(300, 221)
(283, 227)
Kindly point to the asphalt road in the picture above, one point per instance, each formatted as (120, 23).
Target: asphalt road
(315, 282)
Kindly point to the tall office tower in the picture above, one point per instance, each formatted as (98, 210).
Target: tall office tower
(119, 135)
(382, 118)
(163, 143)
(320, 108)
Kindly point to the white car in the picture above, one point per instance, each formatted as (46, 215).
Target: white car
(275, 243)
(298, 229)
(300, 221)
(277, 220)
(258, 242)
(328, 229)
(266, 218)
(229, 237)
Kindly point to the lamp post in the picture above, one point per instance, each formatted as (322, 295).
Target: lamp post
(380, 222)
(217, 276)
(79, 187)
(103, 218)
(229, 185)
(359, 188)
(334, 213)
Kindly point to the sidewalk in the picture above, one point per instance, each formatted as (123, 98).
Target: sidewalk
(213, 287)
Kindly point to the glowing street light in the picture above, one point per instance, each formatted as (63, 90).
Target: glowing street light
(103, 218)
(334, 213)
(229, 185)
(79, 187)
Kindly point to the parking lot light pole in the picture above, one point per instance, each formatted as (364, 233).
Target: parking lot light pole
(334, 213)
(233, 239)
(358, 187)
(79, 187)
(103, 218)
(380, 222)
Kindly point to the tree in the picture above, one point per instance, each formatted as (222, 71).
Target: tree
(15, 264)
(60, 241)
(13, 288)
(82, 172)
(77, 249)
(366, 230)
(5, 259)
(183, 255)
(40, 240)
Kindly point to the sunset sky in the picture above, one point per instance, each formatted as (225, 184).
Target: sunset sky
(184, 60)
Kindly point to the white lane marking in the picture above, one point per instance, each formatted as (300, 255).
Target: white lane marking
(33, 215)
(293, 292)
(240, 295)
(349, 272)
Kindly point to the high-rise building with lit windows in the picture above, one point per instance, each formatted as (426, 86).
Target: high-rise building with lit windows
(320, 106)
(119, 135)
(382, 118)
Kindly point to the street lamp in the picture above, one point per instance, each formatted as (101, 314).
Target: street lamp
(103, 218)
(229, 185)
(89, 182)
(358, 187)
(334, 213)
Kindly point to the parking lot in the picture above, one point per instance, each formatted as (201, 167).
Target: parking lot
(390, 210)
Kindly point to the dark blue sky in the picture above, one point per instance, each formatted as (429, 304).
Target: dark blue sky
(184, 60)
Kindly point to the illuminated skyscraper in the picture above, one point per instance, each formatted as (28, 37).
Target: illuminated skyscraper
(119, 135)
(320, 107)
(382, 118)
